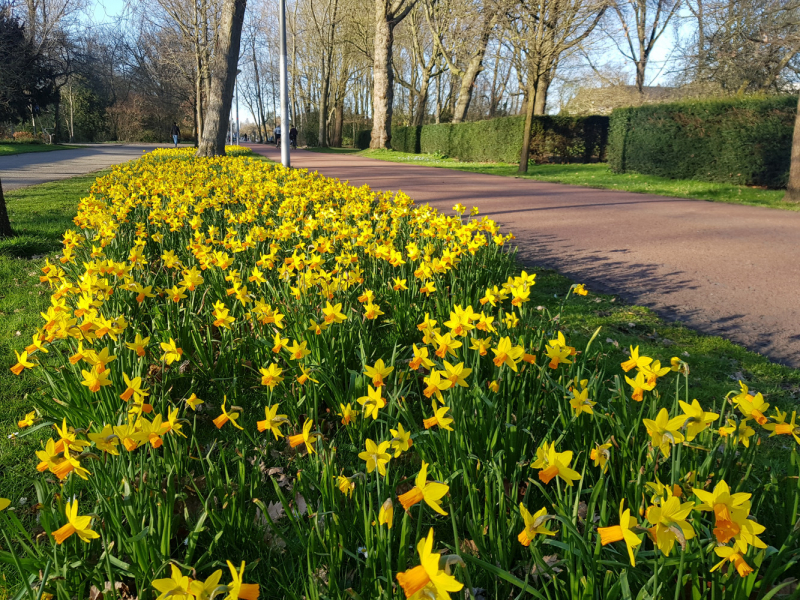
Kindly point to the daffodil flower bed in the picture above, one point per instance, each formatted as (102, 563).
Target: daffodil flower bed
(349, 395)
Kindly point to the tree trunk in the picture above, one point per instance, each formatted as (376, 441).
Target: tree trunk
(383, 74)
(322, 137)
(5, 224)
(422, 99)
(471, 73)
(223, 77)
(793, 189)
(336, 138)
(526, 133)
(542, 86)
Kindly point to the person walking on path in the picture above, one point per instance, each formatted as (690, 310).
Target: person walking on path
(278, 136)
(293, 137)
(176, 133)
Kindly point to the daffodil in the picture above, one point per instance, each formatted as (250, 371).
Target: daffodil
(372, 402)
(601, 454)
(272, 421)
(376, 456)
(171, 352)
(696, 418)
(635, 361)
(664, 432)
(580, 402)
(306, 437)
(622, 532)
(386, 513)
(193, 401)
(429, 491)
(669, 524)
(534, 525)
(174, 587)
(435, 385)
(507, 354)
(228, 416)
(271, 376)
(347, 413)
(378, 373)
(554, 464)
(401, 440)
(22, 363)
(237, 588)
(640, 385)
(75, 524)
(94, 379)
(427, 580)
(439, 418)
(456, 374)
(27, 421)
(732, 555)
(106, 440)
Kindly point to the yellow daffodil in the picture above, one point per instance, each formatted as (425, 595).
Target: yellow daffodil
(663, 431)
(622, 532)
(272, 421)
(427, 580)
(228, 416)
(372, 402)
(401, 440)
(635, 361)
(27, 421)
(376, 456)
(175, 587)
(306, 437)
(386, 514)
(378, 373)
(696, 418)
(554, 464)
(171, 352)
(669, 524)
(439, 418)
(429, 491)
(534, 525)
(271, 376)
(75, 524)
(601, 454)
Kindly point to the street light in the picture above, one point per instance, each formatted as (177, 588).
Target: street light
(284, 91)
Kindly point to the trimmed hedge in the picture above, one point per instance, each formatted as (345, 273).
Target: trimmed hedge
(746, 141)
(553, 138)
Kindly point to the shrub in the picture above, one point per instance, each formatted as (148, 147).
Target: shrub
(744, 141)
(553, 139)
(363, 139)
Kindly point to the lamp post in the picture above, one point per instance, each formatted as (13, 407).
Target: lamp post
(284, 91)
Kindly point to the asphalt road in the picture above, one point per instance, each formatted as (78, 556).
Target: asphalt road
(722, 269)
(21, 170)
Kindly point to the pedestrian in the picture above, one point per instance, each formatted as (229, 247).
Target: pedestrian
(176, 133)
(293, 136)
(278, 136)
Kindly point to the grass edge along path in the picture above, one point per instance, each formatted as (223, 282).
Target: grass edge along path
(11, 149)
(716, 363)
(593, 175)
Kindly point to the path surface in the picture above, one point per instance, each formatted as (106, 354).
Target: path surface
(722, 269)
(21, 170)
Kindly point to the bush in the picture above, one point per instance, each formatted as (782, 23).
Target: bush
(553, 139)
(363, 138)
(568, 139)
(744, 141)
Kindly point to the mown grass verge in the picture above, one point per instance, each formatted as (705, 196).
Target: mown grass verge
(596, 175)
(9, 148)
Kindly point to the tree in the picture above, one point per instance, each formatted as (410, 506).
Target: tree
(486, 17)
(26, 81)
(388, 14)
(643, 22)
(793, 189)
(5, 224)
(223, 77)
(551, 28)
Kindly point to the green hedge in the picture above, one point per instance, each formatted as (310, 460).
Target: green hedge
(553, 139)
(745, 141)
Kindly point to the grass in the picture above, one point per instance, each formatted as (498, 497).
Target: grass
(40, 214)
(596, 175)
(9, 148)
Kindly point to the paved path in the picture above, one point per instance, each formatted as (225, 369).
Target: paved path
(723, 269)
(20, 170)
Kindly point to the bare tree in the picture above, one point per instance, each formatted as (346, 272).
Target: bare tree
(484, 18)
(223, 77)
(643, 22)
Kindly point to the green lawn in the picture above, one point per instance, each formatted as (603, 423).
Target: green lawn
(596, 175)
(9, 148)
(41, 213)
